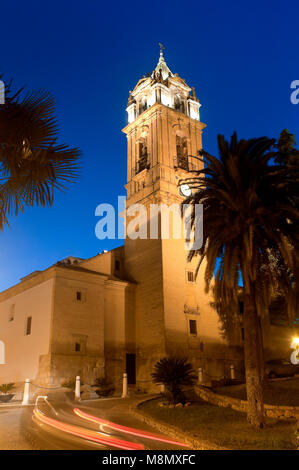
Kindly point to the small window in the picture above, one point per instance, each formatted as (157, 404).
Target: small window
(79, 294)
(201, 347)
(28, 326)
(242, 334)
(117, 265)
(241, 307)
(11, 315)
(192, 327)
(78, 343)
(190, 276)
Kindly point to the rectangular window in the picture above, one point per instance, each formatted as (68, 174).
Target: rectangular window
(11, 315)
(241, 307)
(78, 296)
(242, 334)
(192, 327)
(28, 326)
(78, 343)
(190, 276)
(117, 265)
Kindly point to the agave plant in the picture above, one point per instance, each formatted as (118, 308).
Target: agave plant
(6, 388)
(175, 373)
(32, 164)
(71, 383)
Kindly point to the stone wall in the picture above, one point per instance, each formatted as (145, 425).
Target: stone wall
(29, 298)
(58, 368)
(272, 411)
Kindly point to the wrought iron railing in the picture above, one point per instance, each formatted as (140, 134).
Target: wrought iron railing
(184, 162)
(142, 164)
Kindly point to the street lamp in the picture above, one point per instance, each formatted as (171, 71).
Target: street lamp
(295, 353)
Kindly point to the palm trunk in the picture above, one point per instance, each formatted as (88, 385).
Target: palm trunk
(261, 344)
(253, 363)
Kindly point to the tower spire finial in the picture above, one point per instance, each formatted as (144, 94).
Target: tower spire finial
(162, 64)
(161, 49)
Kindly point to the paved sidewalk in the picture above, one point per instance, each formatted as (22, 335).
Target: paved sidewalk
(10, 430)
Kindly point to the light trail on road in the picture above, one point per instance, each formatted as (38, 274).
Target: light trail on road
(57, 423)
(127, 430)
(86, 433)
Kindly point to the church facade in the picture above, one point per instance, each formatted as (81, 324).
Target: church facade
(127, 308)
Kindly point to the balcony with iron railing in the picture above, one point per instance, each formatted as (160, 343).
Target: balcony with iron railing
(142, 164)
(184, 162)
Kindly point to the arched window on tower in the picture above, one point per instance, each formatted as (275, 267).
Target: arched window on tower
(142, 162)
(182, 152)
(178, 103)
(142, 105)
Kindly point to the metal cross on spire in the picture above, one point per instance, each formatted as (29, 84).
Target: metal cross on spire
(162, 64)
(161, 48)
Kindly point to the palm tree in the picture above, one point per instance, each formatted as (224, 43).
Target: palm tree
(32, 164)
(174, 373)
(287, 154)
(250, 237)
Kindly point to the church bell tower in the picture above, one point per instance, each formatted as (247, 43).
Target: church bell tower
(164, 133)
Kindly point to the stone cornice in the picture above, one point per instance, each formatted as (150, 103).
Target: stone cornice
(50, 273)
(159, 108)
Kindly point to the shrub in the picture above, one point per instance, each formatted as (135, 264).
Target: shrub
(70, 383)
(105, 388)
(6, 388)
(175, 373)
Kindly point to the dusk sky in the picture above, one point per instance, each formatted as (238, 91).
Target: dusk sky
(241, 61)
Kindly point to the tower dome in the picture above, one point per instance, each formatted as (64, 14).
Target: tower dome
(164, 87)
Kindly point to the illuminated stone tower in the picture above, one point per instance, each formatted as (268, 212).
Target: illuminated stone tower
(172, 312)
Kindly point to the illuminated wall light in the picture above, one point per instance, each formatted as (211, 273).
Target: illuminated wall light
(295, 354)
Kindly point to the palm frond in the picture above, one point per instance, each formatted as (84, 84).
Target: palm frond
(250, 217)
(32, 164)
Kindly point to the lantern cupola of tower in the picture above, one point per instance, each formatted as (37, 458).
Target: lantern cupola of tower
(164, 87)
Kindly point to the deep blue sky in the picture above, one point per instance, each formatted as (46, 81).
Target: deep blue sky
(241, 58)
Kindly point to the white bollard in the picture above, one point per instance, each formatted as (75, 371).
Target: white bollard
(125, 385)
(77, 388)
(200, 375)
(162, 389)
(232, 372)
(26, 396)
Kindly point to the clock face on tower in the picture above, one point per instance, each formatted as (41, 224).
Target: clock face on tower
(185, 190)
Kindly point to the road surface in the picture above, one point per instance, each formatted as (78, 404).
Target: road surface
(55, 425)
